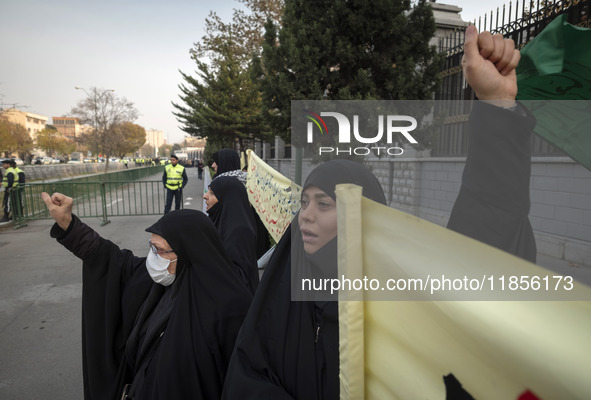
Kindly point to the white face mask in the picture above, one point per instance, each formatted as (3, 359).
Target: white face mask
(158, 269)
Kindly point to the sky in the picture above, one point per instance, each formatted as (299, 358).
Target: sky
(135, 47)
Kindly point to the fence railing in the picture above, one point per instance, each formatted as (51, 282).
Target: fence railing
(92, 199)
(522, 23)
(120, 193)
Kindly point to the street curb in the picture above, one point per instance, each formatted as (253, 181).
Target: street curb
(6, 225)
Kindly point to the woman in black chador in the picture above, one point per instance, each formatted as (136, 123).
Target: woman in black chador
(227, 163)
(290, 349)
(229, 209)
(155, 327)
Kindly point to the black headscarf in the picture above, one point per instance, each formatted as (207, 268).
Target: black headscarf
(289, 349)
(228, 164)
(227, 160)
(234, 220)
(188, 329)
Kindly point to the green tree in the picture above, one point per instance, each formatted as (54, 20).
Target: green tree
(53, 142)
(66, 146)
(128, 138)
(49, 140)
(222, 103)
(244, 32)
(346, 50)
(165, 150)
(14, 138)
(223, 106)
(7, 140)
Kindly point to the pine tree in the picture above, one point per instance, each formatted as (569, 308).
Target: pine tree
(346, 50)
(222, 103)
(223, 106)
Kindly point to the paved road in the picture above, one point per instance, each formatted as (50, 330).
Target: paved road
(40, 303)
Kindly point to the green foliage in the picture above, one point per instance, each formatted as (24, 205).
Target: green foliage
(222, 103)
(222, 106)
(50, 140)
(14, 138)
(165, 150)
(127, 138)
(346, 50)
(244, 32)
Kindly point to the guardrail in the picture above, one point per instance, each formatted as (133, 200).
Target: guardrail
(117, 193)
(92, 199)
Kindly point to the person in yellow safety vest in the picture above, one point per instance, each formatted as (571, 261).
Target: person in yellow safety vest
(174, 180)
(21, 183)
(9, 181)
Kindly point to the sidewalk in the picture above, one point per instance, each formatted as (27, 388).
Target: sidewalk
(40, 302)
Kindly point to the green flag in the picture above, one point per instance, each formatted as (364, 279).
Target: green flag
(554, 80)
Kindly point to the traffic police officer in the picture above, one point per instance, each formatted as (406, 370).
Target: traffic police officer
(20, 186)
(9, 181)
(174, 180)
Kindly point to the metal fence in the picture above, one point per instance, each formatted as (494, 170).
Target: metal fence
(521, 22)
(121, 193)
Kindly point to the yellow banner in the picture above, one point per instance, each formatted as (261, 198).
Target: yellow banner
(495, 349)
(275, 198)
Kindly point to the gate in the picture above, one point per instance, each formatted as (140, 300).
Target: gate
(521, 23)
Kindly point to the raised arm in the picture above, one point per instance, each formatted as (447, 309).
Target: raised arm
(493, 203)
(489, 64)
(60, 208)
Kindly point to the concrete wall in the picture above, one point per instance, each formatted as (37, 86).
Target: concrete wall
(427, 187)
(55, 171)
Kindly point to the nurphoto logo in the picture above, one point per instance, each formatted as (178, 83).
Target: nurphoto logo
(391, 129)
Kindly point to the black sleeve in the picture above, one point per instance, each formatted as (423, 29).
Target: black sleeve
(10, 179)
(185, 178)
(115, 285)
(493, 203)
(164, 177)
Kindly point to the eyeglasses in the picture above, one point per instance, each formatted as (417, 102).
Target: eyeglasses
(156, 251)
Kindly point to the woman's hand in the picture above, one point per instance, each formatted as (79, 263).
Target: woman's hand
(489, 64)
(60, 208)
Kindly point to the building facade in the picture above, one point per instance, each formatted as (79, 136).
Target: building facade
(33, 123)
(68, 126)
(155, 138)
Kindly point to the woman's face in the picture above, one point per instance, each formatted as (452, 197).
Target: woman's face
(214, 166)
(210, 199)
(317, 219)
(164, 251)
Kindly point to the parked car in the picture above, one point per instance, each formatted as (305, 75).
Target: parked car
(17, 160)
